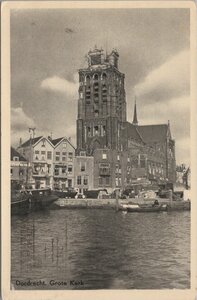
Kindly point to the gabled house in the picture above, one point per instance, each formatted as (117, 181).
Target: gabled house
(39, 154)
(18, 167)
(63, 163)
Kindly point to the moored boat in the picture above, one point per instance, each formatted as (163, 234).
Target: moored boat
(19, 203)
(146, 208)
(40, 198)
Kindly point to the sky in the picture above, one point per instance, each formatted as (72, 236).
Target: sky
(49, 46)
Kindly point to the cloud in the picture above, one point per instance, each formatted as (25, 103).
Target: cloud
(20, 123)
(171, 79)
(61, 85)
(19, 120)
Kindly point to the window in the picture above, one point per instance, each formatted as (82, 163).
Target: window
(104, 156)
(104, 169)
(63, 158)
(11, 171)
(57, 158)
(64, 170)
(70, 156)
(107, 180)
(118, 157)
(85, 180)
(88, 131)
(64, 153)
(16, 158)
(70, 169)
(49, 155)
(96, 112)
(96, 130)
(21, 172)
(56, 171)
(83, 166)
(79, 180)
(69, 183)
(43, 152)
(57, 153)
(100, 181)
(37, 152)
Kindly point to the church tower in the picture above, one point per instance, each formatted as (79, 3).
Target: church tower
(101, 103)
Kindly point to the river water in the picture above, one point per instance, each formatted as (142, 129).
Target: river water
(100, 249)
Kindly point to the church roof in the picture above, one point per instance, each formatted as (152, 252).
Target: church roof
(133, 133)
(153, 133)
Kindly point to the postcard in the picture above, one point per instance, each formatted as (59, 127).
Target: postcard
(99, 148)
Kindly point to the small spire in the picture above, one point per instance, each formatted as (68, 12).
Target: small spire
(135, 121)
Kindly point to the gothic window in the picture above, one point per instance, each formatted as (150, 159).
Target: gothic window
(87, 79)
(88, 131)
(96, 77)
(104, 76)
(96, 130)
(96, 112)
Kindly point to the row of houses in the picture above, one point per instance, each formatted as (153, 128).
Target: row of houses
(45, 162)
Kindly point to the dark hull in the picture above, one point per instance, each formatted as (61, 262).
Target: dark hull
(28, 201)
(19, 205)
(41, 202)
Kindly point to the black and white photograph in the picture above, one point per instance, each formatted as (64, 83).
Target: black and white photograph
(100, 159)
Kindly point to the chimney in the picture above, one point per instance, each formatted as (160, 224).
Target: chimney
(20, 142)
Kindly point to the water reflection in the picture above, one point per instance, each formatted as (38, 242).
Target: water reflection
(104, 249)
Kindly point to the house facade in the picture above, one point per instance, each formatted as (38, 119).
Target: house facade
(39, 154)
(63, 163)
(84, 173)
(18, 167)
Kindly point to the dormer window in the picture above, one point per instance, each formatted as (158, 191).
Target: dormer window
(15, 158)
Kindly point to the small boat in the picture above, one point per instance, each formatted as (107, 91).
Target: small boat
(40, 198)
(146, 207)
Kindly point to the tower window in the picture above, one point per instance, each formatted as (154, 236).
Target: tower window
(88, 131)
(96, 130)
(96, 77)
(104, 76)
(96, 112)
